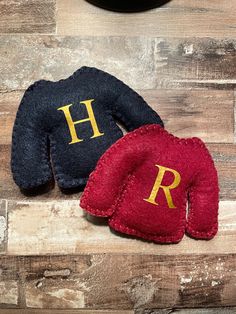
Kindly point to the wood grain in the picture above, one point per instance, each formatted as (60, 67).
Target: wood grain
(234, 115)
(31, 16)
(64, 311)
(142, 62)
(148, 281)
(204, 113)
(45, 57)
(3, 226)
(225, 158)
(219, 310)
(177, 18)
(9, 103)
(9, 292)
(63, 228)
(224, 155)
(55, 258)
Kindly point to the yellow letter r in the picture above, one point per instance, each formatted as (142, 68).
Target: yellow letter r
(157, 185)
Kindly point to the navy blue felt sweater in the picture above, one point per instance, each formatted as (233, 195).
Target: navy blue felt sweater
(63, 127)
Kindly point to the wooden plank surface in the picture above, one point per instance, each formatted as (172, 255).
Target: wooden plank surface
(149, 281)
(3, 226)
(181, 57)
(63, 228)
(234, 115)
(9, 103)
(64, 311)
(219, 310)
(178, 17)
(142, 62)
(223, 154)
(31, 16)
(204, 113)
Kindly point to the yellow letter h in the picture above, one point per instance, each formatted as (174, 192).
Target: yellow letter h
(71, 123)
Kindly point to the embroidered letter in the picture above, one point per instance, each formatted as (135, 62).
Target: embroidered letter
(71, 123)
(157, 185)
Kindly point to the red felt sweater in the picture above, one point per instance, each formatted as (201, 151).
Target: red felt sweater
(144, 180)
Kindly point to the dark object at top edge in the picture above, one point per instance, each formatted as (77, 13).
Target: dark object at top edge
(128, 6)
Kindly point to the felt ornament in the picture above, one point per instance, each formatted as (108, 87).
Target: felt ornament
(74, 122)
(144, 181)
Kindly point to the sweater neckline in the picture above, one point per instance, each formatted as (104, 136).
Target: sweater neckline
(72, 76)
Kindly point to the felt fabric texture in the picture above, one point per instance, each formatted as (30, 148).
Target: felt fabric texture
(74, 121)
(144, 181)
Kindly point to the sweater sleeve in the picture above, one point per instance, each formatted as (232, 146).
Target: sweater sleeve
(126, 105)
(133, 111)
(30, 158)
(112, 173)
(202, 221)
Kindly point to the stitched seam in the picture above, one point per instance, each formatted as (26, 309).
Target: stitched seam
(179, 231)
(177, 237)
(139, 131)
(115, 146)
(192, 210)
(46, 175)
